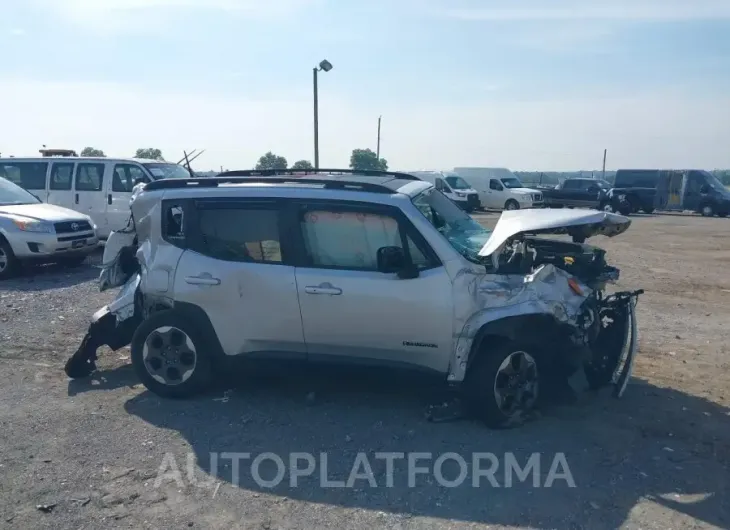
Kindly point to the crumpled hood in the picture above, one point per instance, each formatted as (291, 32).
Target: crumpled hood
(42, 212)
(587, 223)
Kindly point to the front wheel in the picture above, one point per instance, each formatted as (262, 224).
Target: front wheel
(512, 204)
(8, 261)
(722, 214)
(707, 210)
(502, 386)
(170, 356)
(648, 210)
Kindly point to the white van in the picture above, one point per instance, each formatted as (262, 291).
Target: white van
(500, 189)
(451, 185)
(96, 186)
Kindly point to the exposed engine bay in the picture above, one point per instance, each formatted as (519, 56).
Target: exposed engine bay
(585, 262)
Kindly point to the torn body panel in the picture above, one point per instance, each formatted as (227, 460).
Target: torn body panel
(549, 292)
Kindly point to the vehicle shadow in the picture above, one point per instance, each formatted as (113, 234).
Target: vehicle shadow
(104, 380)
(655, 445)
(36, 277)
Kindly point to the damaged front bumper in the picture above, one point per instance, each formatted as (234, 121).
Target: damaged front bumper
(113, 325)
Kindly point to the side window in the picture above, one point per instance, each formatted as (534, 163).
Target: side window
(571, 184)
(89, 177)
(173, 228)
(28, 175)
(495, 185)
(240, 233)
(61, 173)
(350, 240)
(124, 176)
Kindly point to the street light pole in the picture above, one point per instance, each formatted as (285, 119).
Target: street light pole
(316, 119)
(325, 66)
(378, 148)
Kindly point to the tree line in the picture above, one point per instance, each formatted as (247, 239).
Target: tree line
(361, 159)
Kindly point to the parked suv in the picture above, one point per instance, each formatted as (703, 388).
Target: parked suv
(348, 266)
(33, 231)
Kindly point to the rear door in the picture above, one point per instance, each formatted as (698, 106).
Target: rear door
(237, 270)
(60, 186)
(350, 310)
(88, 193)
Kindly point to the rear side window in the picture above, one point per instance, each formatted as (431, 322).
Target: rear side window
(124, 177)
(28, 175)
(571, 185)
(61, 173)
(248, 233)
(89, 177)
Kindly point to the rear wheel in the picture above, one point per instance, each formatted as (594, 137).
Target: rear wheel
(8, 261)
(170, 356)
(722, 214)
(512, 204)
(648, 210)
(502, 386)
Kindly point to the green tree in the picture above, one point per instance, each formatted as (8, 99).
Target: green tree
(92, 151)
(302, 164)
(149, 153)
(367, 159)
(272, 161)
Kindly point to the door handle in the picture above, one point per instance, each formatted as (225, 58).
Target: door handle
(76, 199)
(109, 199)
(203, 279)
(322, 289)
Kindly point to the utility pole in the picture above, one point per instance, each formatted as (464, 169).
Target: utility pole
(604, 164)
(378, 151)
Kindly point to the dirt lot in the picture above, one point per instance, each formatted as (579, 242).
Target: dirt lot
(85, 454)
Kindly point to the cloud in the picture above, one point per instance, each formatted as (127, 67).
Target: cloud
(138, 16)
(17, 32)
(627, 10)
(652, 129)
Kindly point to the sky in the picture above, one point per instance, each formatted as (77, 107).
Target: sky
(525, 84)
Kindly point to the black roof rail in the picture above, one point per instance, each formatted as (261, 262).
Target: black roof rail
(213, 182)
(305, 172)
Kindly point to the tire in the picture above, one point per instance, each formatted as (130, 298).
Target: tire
(158, 341)
(647, 210)
(707, 210)
(8, 261)
(722, 214)
(607, 207)
(488, 373)
(511, 204)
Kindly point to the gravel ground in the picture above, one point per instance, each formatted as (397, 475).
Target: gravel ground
(86, 454)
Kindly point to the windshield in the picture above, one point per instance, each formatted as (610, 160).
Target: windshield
(458, 183)
(161, 170)
(713, 181)
(512, 182)
(11, 194)
(460, 230)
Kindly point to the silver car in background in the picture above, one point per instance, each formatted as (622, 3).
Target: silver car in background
(31, 230)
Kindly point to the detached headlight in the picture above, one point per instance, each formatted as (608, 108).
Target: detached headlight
(34, 226)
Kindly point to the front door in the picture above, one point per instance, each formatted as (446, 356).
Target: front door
(118, 197)
(350, 310)
(495, 197)
(59, 185)
(88, 193)
(236, 269)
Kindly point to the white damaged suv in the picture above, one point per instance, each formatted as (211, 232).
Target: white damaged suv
(352, 266)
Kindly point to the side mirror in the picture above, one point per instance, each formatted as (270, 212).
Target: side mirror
(139, 180)
(705, 189)
(393, 259)
(500, 187)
